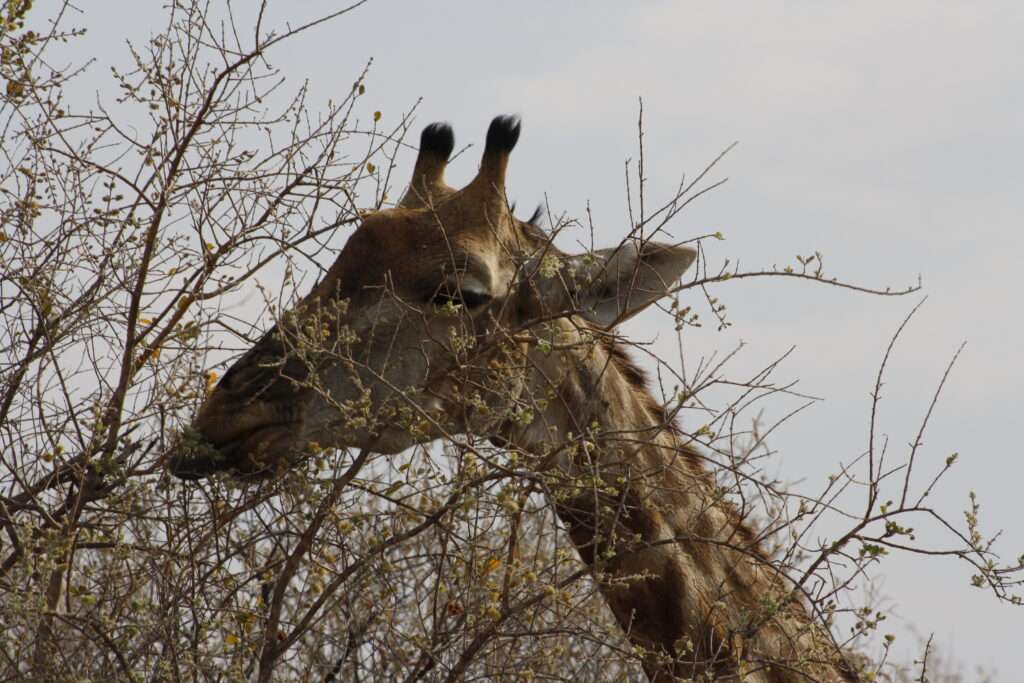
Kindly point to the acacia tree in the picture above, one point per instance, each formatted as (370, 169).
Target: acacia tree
(134, 236)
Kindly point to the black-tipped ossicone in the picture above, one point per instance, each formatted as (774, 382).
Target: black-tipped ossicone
(438, 140)
(502, 135)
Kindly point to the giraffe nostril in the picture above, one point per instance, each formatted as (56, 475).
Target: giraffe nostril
(268, 380)
(267, 372)
(249, 379)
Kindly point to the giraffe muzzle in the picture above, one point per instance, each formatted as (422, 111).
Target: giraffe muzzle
(256, 454)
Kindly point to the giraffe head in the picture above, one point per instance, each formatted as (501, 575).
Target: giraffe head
(422, 327)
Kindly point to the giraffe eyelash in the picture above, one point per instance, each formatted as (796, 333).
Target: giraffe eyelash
(465, 297)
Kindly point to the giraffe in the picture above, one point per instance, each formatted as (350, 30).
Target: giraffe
(683, 574)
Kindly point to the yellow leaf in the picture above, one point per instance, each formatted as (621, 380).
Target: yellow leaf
(231, 639)
(370, 167)
(490, 566)
(211, 381)
(376, 116)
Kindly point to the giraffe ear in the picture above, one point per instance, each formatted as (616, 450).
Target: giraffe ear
(609, 286)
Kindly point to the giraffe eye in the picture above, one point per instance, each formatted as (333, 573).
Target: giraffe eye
(465, 297)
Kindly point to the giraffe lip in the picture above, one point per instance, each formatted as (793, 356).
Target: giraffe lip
(229, 454)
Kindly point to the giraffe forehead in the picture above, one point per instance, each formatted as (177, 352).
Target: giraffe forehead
(412, 248)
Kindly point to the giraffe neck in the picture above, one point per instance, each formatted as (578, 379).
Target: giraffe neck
(684, 576)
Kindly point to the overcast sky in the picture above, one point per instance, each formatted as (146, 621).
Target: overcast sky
(888, 136)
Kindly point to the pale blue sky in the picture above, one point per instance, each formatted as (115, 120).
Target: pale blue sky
(889, 136)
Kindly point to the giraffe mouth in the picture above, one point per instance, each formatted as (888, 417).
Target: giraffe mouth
(258, 453)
